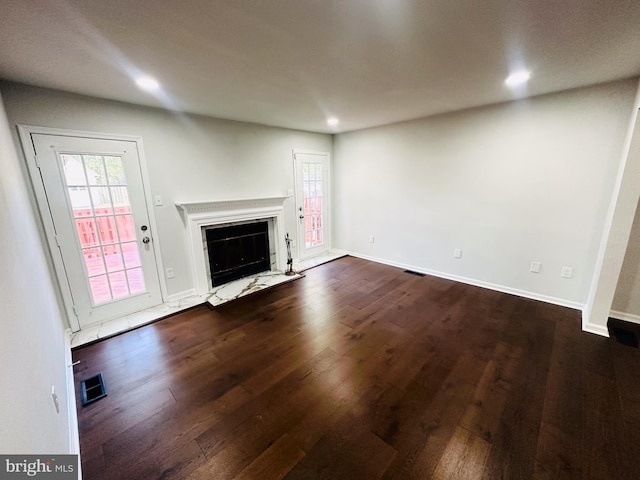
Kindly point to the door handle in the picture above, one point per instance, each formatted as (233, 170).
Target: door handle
(301, 217)
(146, 240)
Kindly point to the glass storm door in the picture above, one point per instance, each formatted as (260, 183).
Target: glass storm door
(312, 203)
(96, 198)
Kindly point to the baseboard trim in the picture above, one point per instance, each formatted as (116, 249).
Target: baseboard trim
(74, 431)
(478, 283)
(593, 328)
(180, 295)
(627, 317)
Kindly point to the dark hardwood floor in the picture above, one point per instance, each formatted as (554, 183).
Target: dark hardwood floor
(363, 371)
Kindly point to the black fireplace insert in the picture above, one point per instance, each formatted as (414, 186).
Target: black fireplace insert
(236, 251)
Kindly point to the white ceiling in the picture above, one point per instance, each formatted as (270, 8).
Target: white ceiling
(293, 63)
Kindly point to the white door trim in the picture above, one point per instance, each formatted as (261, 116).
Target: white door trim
(25, 132)
(326, 202)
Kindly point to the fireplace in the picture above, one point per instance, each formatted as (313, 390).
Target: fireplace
(237, 250)
(201, 217)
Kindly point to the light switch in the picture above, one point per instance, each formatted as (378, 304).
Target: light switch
(566, 272)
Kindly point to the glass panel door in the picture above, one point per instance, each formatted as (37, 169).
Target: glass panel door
(96, 199)
(312, 194)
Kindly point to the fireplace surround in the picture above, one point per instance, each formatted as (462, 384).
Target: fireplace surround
(201, 216)
(237, 250)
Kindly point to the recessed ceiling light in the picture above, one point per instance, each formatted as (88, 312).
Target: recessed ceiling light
(518, 78)
(147, 83)
(333, 121)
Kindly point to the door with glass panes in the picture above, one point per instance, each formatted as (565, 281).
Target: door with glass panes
(95, 195)
(312, 202)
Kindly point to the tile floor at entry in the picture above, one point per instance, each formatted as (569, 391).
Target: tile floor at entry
(217, 296)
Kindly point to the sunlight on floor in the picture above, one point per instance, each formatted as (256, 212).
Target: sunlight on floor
(249, 285)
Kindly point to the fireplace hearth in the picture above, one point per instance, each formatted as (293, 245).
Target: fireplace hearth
(236, 251)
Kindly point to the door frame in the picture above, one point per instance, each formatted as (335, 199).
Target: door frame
(28, 148)
(327, 203)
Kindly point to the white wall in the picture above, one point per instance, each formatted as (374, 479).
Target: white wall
(32, 338)
(508, 184)
(627, 295)
(189, 158)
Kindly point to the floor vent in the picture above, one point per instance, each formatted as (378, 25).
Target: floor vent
(93, 389)
(417, 274)
(623, 332)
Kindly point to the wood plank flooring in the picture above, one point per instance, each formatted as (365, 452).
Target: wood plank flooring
(362, 371)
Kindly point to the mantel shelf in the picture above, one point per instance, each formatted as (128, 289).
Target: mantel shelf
(237, 204)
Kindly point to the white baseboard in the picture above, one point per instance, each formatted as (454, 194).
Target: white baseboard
(180, 295)
(478, 283)
(627, 317)
(74, 432)
(592, 327)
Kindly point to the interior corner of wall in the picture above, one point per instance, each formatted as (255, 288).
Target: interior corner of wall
(609, 260)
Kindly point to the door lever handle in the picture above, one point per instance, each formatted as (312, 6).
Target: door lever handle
(146, 240)
(301, 217)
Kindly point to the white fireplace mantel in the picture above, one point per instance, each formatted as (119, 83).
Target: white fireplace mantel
(191, 208)
(199, 215)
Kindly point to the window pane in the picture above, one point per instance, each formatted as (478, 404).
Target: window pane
(94, 166)
(126, 228)
(131, 254)
(115, 171)
(136, 280)
(73, 169)
(119, 286)
(305, 172)
(80, 201)
(100, 289)
(112, 258)
(87, 232)
(120, 197)
(101, 200)
(93, 261)
(107, 229)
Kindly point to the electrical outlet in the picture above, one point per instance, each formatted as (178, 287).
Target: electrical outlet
(372, 239)
(457, 253)
(535, 267)
(170, 272)
(566, 272)
(55, 398)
